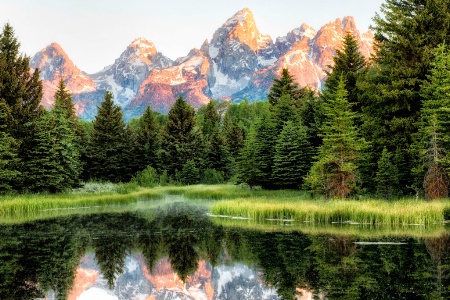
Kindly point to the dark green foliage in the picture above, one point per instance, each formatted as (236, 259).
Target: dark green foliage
(212, 176)
(386, 176)
(216, 154)
(432, 141)
(284, 85)
(107, 143)
(54, 164)
(247, 163)
(189, 173)
(350, 63)
(334, 174)
(21, 90)
(147, 140)
(292, 158)
(266, 135)
(8, 152)
(147, 177)
(406, 32)
(284, 111)
(178, 138)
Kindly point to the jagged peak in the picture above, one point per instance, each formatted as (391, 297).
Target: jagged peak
(141, 42)
(244, 15)
(304, 30)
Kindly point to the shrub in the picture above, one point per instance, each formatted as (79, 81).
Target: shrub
(212, 176)
(147, 178)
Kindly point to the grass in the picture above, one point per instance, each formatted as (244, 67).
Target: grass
(370, 212)
(231, 200)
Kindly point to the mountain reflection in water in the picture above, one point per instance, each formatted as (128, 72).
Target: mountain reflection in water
(177, 252)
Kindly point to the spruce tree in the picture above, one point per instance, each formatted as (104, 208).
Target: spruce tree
(189, 173)
(147, 140)
(285, 85)
(434, 122)
(69, 134)
(350, 63)
(22, 92)
(107, 143)
(8, 152)
(334, 174)
(44, 168)
(215, 151)
(247, 167)
(292, 158)
(387, 175)
(406, 32)
(178, 137)
(266, 135)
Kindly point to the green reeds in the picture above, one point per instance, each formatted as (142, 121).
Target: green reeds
(24, 205)
(402, 212)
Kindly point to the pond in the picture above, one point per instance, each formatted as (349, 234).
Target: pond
(179, 252)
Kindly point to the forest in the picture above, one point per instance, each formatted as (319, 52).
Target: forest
(379, 126)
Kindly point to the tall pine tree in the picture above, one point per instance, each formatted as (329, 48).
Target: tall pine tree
(8, 152)
(406, 32)
(335, 173)
(107, 143)
(178, 137)
(350, 63)
(292, 157)
(22, 92)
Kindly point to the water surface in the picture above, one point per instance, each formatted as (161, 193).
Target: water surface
(178, 252)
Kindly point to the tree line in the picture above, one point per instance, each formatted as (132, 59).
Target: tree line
(378, 126)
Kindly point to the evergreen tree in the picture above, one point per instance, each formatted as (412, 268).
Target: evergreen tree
(8, 152)
(22, 92)
(247, 167)
(283, 112)
(284, 85)
(215, 150)
(189, 173)
(178, 137)
(406, 31)
(335, 172)
(350, 63)
(69, 134)
(386, 176)
(434, 122)
(266, 135)
(147, 140)
(292, 158)
(44, 170)
(107, 143)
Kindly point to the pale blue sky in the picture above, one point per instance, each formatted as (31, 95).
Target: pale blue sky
(95, 32)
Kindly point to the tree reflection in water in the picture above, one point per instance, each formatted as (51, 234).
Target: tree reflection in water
(44, 255)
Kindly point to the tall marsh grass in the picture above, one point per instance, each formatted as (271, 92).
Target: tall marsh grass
(401, 212)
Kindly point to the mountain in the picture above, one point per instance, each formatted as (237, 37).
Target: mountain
(239, 62)
(55, 64)
(235, 281)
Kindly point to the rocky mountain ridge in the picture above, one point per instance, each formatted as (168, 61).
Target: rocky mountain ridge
(238, 63)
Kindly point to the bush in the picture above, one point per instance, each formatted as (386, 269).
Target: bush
(126, 188)
(147, 178)
(212, 176)
(189, 174)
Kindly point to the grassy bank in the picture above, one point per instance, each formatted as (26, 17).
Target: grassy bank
(230, 200)
(401, 212)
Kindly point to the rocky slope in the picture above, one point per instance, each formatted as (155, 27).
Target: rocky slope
(238, 63)
(235, 281)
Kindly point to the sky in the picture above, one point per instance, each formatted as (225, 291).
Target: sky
(95, 32)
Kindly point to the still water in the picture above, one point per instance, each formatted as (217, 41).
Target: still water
(178, 252)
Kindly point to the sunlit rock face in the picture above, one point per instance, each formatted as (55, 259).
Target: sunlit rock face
(54, 65)
(236, 281)
(239, 62)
